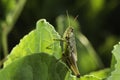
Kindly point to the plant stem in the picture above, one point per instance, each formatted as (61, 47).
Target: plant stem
(4, 41)
(8, 25)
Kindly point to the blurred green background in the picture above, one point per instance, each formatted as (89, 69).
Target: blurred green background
(99, 21)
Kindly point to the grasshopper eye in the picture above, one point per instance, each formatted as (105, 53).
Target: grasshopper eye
(66, 37)
(71, 29)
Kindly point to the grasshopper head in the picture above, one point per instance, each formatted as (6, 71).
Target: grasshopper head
(68, 33)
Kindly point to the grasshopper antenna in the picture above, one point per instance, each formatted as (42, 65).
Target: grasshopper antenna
(68, 19)
(76, 18)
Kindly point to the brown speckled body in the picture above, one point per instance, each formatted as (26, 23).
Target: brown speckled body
(70, 52)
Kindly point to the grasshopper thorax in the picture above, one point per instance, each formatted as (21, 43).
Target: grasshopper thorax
(68, 33)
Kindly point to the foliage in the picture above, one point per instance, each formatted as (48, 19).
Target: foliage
(37, 41)
(115, 64)
(11, 11)
(38, 55)
(40, 66)
(26, 58)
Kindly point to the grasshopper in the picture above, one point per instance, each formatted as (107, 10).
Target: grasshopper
(69, 55)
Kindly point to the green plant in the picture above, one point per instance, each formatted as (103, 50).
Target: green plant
(11, 11)
(31, 60)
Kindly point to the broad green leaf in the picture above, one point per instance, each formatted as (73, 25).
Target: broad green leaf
(115, 74)
(37, 41)
(40, 66)
(86, 53)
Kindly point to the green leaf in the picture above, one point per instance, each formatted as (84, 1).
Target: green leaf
(37, 41)
(115, 74)
(89, 77)
(101, 74)
(40, 66)
(86, 53)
